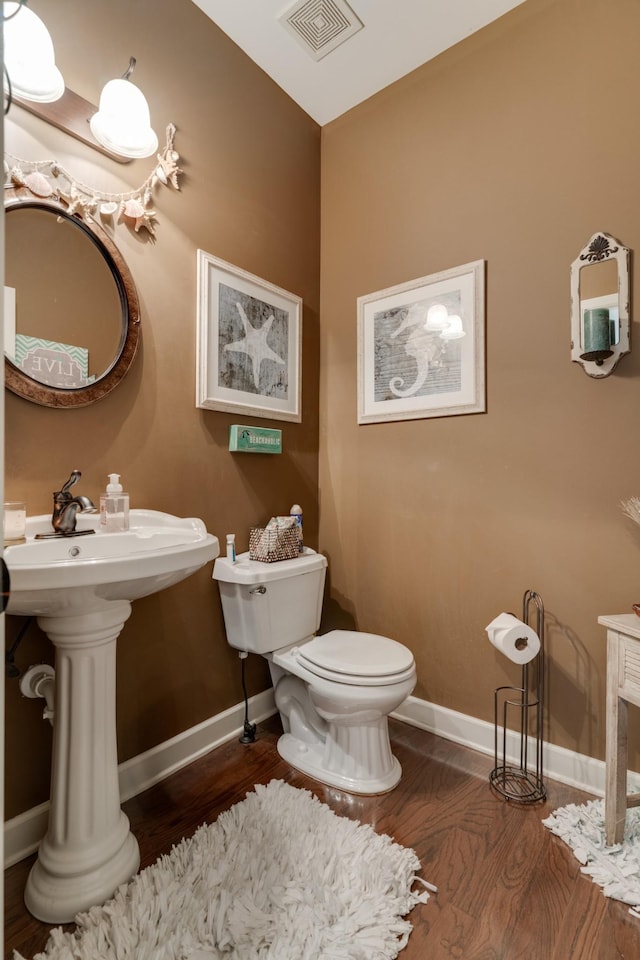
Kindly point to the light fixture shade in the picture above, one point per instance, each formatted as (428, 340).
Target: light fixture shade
(454, 329)
(122, 123)
(29, 56)
(437, 317)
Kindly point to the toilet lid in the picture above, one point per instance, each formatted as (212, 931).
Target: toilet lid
(346, 653)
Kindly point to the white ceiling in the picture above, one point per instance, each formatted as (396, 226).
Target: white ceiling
(398, 36)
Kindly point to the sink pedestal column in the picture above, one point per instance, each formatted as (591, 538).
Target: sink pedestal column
(88, 850)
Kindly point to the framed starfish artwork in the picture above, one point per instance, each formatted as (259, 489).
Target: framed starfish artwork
(249, 343)
(421, 347)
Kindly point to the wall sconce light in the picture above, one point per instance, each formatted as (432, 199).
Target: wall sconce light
(123, 124)
(121, 128)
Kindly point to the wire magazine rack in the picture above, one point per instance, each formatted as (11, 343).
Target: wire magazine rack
(522, 783)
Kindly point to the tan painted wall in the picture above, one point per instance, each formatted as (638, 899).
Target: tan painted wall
(514, 147)
(250, 195)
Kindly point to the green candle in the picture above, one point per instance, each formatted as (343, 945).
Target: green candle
(597, 335)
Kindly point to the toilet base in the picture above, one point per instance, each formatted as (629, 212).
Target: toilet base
(310, 758)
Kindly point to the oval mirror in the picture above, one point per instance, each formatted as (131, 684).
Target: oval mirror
(72, 317)
(600, 305)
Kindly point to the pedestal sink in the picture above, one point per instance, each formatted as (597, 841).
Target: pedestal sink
(80, 589)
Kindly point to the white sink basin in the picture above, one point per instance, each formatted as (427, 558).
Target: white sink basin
(50, 577)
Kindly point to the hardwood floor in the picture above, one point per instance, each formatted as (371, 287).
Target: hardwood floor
(507, 888)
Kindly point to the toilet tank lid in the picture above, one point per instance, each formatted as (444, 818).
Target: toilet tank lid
(245, 570)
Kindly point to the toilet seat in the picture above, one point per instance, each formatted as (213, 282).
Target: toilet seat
(347, 656)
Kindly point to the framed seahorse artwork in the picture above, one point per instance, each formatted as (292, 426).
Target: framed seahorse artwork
(421, 347)
(249, 343)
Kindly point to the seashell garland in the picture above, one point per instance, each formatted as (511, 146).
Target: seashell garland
(85, 201)
(133, 209)
(38, 184)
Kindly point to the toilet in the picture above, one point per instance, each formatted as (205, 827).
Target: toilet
(334, 692)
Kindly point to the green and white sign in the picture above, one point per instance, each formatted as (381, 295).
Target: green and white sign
(254, 439)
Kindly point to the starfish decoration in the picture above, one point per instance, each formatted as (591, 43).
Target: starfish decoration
(137, 211)
(254, 344)
(77, 202)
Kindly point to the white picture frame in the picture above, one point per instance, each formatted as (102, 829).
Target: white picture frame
(249, 343)
(408, 371)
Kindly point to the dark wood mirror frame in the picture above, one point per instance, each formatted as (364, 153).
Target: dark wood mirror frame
(24, 386)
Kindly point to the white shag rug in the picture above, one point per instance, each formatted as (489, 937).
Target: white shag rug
(279, 876)
(617, 868)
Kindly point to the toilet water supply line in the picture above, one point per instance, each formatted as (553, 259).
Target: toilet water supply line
(249, 729)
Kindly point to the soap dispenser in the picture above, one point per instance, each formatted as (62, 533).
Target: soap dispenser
(114, 506)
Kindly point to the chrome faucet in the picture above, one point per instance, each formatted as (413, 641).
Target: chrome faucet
(65, 511)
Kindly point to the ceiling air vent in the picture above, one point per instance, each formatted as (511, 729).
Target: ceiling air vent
(321, 25)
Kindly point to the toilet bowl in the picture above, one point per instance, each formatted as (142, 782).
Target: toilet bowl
(334, 692)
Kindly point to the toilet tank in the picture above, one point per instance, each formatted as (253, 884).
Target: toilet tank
(268, 606)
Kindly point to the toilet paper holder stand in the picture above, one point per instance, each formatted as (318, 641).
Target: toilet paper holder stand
(522, 781)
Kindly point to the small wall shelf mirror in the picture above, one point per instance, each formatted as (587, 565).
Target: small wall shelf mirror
(600, 305)
(72, 317)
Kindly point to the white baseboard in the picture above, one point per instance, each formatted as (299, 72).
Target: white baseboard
(143, 771)
(566, 766)
(23, 833)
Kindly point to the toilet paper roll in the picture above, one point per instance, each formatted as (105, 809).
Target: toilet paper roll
(515, 639)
